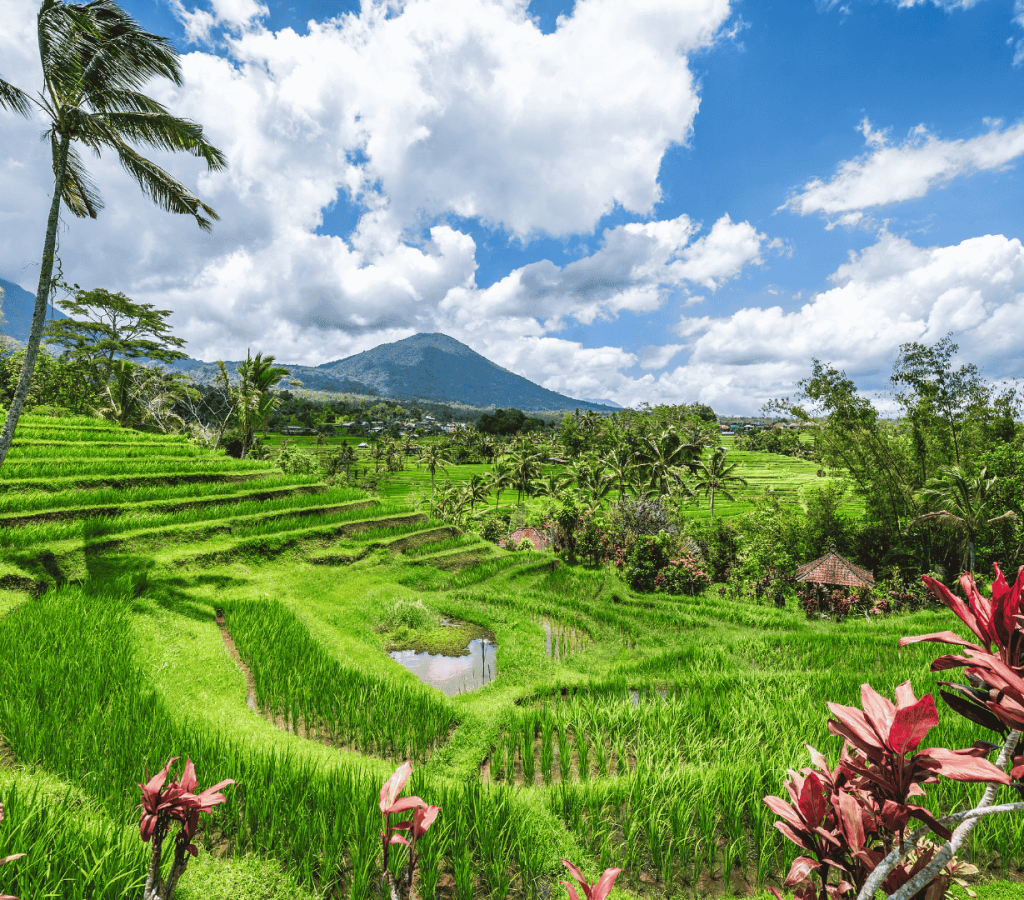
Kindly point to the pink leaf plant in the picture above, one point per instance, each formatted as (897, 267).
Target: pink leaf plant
(162, 804)
(597, 891)
(423, 816)
(848, 819)
(6, 859)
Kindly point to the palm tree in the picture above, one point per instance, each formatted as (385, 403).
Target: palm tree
(499, 478)
(715, 476)
(434, 457)
(620, 464)
(664, 458)
(254, 401)
(479, 488)
(526, 466)
(963, 502)
(95, 57)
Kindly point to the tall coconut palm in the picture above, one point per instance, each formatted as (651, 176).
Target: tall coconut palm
(526, 466)
(499, 478)
(95, 58)
(434, 457)
(963, 502)
(665, 457)
(716, 476)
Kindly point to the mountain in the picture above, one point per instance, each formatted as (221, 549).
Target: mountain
(432, 367)
(17, 311)
(610, 403)
(441, 369)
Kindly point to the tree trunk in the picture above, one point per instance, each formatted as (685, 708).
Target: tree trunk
(39, 314)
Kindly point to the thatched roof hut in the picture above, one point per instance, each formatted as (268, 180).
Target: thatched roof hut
(834, 569)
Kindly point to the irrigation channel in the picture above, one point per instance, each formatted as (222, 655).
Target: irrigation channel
(639, 731)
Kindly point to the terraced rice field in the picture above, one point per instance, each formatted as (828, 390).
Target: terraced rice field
(235, 619)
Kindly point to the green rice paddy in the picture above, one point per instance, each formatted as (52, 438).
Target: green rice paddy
(646, 742)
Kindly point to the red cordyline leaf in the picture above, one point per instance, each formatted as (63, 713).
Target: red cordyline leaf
(176, 800)
(389, 802)
(812, 801)
(801, 868)
(596, 892)
(993, 623)
(422, 819)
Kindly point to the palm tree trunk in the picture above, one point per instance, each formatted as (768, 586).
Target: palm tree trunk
(39, 314)
(712, 504)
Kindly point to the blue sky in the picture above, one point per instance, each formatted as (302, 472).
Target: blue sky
(660, 200)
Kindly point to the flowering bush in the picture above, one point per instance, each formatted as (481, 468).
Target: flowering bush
(682, 576)
(648, 557)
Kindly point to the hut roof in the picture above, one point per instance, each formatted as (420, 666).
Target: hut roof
(834, 569)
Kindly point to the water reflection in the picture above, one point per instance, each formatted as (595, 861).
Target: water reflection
(453, 674)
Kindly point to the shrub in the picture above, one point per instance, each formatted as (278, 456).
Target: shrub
(293, 461)
(492, 529)
(644, 517)
(648, 556)
(410, 614)
(681, 576)
(718, 542)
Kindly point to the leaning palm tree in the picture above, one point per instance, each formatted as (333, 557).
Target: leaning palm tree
(963, 503)
(95, 58)
(715, 476)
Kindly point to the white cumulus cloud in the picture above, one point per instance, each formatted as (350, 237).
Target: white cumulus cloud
(891, 173)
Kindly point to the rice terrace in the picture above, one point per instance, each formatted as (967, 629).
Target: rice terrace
(407, 625)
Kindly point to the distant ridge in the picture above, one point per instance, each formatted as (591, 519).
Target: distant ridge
(432, 367)
(18, 305)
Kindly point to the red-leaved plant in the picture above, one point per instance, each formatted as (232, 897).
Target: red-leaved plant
(423, 816)
(7, 859)
(175, 802)
(597, 891)
(852, 820)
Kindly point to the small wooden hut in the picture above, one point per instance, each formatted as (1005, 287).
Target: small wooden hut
(833, 569)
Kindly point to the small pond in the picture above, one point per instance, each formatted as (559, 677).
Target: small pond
(477, 666)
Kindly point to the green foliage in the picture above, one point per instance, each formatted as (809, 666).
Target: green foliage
(648, 557)
(104, 327)
(404, 613)
(719, 543)
(507, 422)
(784, 441)
(825, 527)
(56, 382)
(293, 461)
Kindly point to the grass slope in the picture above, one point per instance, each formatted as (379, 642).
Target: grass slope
(646, 742)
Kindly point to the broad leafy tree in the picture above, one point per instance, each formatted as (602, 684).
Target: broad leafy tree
(95, 60)
(104, 327)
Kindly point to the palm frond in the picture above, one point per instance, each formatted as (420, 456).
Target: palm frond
(14, 99)
(115, 99)
(165, 191)
(163, 131)
(79, 193)
(1008, 516)
(125, 55)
